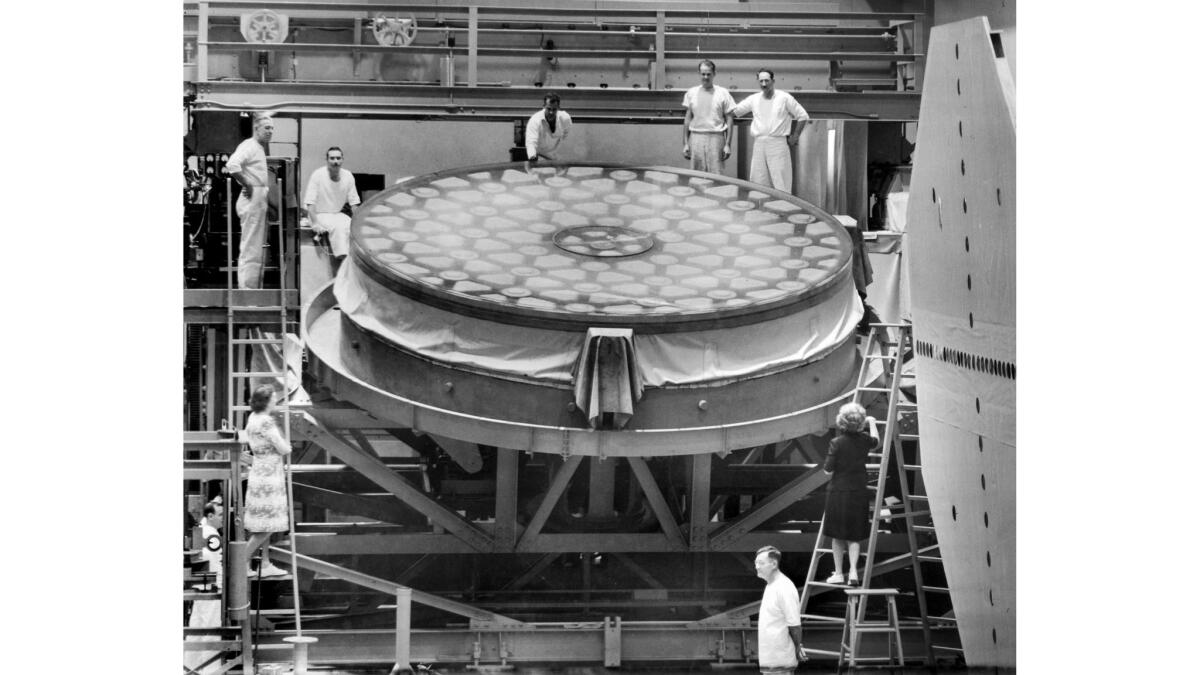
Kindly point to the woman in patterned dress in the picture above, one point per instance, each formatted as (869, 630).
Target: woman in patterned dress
(266, 492)
(847, 501)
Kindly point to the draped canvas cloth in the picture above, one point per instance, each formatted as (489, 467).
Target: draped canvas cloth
(607, 379)
(550, 355)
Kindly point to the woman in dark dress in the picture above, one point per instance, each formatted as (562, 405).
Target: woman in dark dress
(847, 501)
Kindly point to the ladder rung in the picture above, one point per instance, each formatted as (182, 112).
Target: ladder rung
(257, 374)
(883, 389)
(880, 356)
(881, 628)
(257, 341)
(929, 558)
(827, 619)
(912, 467)
(827, 585)
(258, 308)
(946, 648)
(912, 497)
(901, 514)
(823, 550)
(908, 437)
(936, 589)
(903, 405)
(923, 528)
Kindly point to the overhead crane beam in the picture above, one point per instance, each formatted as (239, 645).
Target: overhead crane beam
(496, 103)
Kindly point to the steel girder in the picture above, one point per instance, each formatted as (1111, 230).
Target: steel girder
(397, 101)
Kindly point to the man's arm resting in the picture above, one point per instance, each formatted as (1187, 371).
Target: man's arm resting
(794, 632)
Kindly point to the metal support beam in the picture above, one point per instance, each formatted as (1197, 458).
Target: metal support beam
(506, 499)
(532, 572)
(750, 457)
(658, 503)
(783, 498)
(637, 542)
(699, 500)
(491, 103)
(361, 439)
(381, 508)
(473, 46)
(553, 494)
(390, 588)
(306, 426)
(612, 642)
(638, 570)
(202, 43)
(660, 47)
(601, 487)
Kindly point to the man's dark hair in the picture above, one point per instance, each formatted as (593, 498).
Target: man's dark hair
(710, 64)
(764, 70)
(550, 97)
(332, 149)
(210, 510)
(772, 553)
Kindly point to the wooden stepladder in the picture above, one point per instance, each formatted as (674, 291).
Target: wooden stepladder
(888, 353)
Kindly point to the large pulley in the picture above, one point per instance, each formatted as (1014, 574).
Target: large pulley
(394, 31)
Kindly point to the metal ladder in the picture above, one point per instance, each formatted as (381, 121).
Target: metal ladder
(240, 318)
(889, 354)
(247, 318)
(921, 531)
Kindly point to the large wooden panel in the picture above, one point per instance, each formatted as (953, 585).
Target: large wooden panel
(961, 239)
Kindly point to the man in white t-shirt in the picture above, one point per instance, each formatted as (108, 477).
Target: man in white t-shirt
(707, 122)
(779, 648)
(248, 166)
(545, 131)
(330, 188)
(778, 121)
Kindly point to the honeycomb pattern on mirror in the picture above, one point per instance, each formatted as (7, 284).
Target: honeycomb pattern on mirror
(596, 240)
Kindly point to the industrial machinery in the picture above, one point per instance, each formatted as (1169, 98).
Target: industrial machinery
(556, 411)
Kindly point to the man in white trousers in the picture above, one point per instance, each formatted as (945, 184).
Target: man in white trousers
(707, 122)
(248, 166)
(330, 188)
(778, 122)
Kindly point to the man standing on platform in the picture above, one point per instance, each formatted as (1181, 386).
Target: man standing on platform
(545, 131)
(779, 648)
(708, 122)
(778, 121)
(248, 166)
(330, 189)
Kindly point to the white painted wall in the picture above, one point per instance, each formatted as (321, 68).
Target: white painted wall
(400, 148)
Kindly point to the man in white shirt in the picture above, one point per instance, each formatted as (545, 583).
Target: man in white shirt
(545, 131)
(778, 121)
(707, 122)
(248, 166)
(329, 189)
(779, 648)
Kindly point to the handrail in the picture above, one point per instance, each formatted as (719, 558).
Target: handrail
(659, 22)
(582, 8)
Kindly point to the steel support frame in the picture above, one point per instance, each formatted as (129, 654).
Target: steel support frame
(307, 427)
(594, 642)
(399, 101)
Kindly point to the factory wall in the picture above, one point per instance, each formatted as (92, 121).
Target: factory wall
(401, 148)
